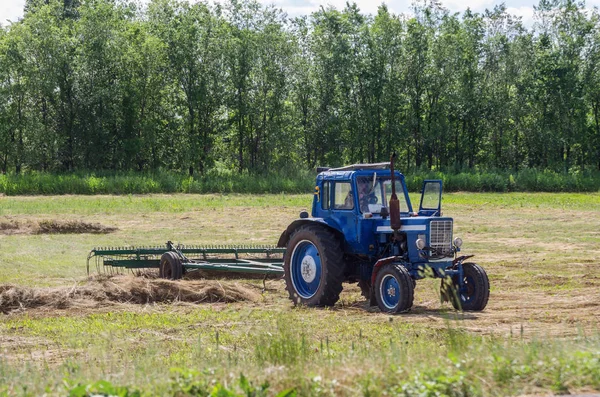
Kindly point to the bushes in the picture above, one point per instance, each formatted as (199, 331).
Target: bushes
(528, 180)
(37, 183)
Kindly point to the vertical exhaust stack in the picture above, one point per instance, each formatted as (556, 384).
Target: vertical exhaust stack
(394, 202)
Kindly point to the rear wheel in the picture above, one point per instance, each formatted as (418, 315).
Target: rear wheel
(394, 289)
(313, 266)
(170, 266)
(475, 293)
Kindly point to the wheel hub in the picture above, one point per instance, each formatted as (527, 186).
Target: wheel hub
(308, 269)
(391, 291)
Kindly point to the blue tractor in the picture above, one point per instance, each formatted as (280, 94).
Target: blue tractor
(363, 229)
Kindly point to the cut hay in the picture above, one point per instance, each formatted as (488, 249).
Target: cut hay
(104, 291)
(52, 226)
(64, 227)
(8, 225)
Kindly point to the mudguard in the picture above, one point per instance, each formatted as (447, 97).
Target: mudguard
(285, 236)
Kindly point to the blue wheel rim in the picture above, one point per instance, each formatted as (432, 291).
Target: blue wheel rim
(306, 269)
(467, 292)
(390, 291)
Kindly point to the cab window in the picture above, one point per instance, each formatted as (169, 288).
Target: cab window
(387, 189)
(325, 196)
(373, 195)
(343, 197)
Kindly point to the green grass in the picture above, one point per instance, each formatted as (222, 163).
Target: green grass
(260, 219)
(539, 333)
(143, 204)
(313, 352)
(302, 181)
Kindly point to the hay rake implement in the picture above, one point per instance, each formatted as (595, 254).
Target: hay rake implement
(173, 261)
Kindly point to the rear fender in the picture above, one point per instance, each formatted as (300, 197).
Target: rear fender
(285, 236)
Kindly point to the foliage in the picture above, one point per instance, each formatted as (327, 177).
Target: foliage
(89, 183)
(102, 388)
(112, 85)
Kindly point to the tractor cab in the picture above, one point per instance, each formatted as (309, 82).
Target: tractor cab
(366, 193)
(354, 200)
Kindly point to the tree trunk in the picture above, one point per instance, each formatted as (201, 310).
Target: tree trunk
(597, 121)
(240, 133)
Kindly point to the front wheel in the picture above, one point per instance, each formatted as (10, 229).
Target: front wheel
(313, 267)
(394, 289)
(475, 292)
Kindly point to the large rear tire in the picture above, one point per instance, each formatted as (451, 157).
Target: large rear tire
(313, 266)
(394, 289)
(476, 291)
(170, 266)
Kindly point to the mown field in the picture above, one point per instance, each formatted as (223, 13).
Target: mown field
(61, 335)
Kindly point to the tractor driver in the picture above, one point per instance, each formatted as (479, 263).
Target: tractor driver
(365, 195)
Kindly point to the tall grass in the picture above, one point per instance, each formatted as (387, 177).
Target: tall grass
(527, 180)
(37, 183)
(346, 359)
(299, 181)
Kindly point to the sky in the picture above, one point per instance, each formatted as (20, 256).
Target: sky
(13, 9)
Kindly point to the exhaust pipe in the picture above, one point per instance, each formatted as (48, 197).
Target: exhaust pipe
(394, 202)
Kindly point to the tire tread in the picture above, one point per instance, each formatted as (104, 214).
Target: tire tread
(406, 285)
(172, 260)
(330, 251)
(482, 288)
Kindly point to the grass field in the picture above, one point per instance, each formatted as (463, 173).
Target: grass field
(539, 334)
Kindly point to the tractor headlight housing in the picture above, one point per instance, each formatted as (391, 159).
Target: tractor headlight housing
(458, 242)
(420, 243)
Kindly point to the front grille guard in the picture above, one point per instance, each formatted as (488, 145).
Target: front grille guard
(440, 241)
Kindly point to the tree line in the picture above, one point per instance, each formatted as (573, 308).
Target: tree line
(112, 85)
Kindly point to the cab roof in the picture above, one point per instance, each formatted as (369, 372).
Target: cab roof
(357, 167)
(346, 172)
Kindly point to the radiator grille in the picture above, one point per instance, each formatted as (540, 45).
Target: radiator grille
(441, 236)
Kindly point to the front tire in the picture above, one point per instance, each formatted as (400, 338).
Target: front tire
(394, 289)
(313, 267)
(474, 295)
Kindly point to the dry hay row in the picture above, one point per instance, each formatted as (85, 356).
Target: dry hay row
(52, 226)
(103, 290)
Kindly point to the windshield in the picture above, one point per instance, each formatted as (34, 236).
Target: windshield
(375, 193)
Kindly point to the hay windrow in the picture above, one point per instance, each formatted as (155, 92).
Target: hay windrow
(52, 226)
(8, 225)
(104, 291)
(64, 227)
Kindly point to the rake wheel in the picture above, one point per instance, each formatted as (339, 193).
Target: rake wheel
(170, 266)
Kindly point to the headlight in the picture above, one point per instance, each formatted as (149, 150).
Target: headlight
(457, 242)
(420, 243)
